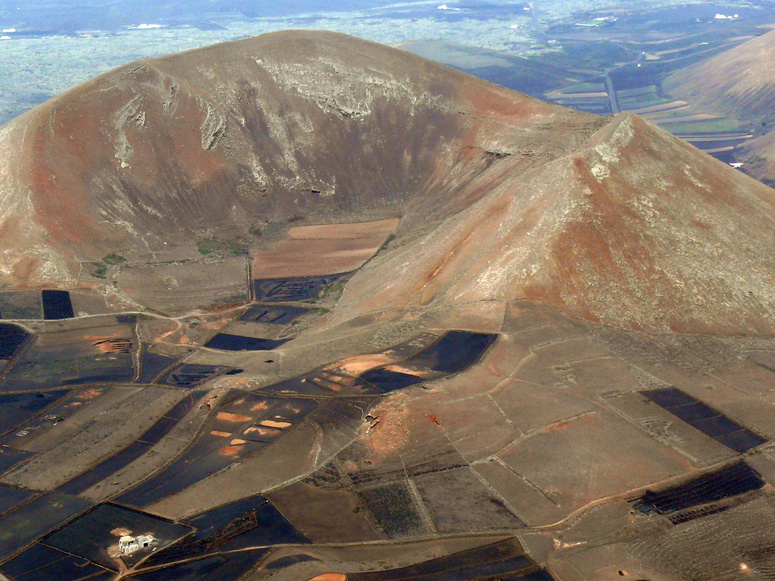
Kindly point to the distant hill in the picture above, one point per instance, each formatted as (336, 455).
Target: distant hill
(738, 83)
(73, 15)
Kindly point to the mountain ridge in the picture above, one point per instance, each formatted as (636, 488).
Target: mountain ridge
(501, 196)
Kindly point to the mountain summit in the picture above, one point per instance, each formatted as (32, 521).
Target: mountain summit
(499, 196)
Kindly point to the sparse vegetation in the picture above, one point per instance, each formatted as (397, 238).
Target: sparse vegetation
(332, 292)
(385, 244)
(709, 126)
(102, 265)
(584, 88)
(181, 261)
(229, 247)
(230, 300)
(113, 259)
(100, 271)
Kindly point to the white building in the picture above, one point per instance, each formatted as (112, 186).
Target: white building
(129, 544)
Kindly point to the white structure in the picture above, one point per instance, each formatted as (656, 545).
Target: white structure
(128, 544)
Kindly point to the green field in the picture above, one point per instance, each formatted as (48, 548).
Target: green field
(700, 127)
(583, 88)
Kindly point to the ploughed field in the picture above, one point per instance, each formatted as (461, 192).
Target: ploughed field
(469, 436)
(536, 344)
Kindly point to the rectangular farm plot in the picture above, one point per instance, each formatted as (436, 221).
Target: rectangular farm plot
(578, 460)
(272, 315)
(454, 352)
(709, 421)
(132, 452)
(10, 498)
(37, 519)
(458, 502)
(95, 535)
(41, 563)
(21, 305)
(229, 342)
(191, 374)
(11, 338)
(237, 429)
(99, 351)
(324, 514)
(501, 560)
(293, 289)
(17, 408)
(712, 492)
(57, 305)
(177, 288)
(324, 249)
(393, 509)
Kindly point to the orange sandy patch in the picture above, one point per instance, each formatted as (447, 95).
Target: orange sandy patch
(230, 450)
(111, 345)
(229, 417)
(322, 249)
(237, 442)
(334, 387)
(399, 369)
(262, 431)
(221, 434)
(120, 532)
(260, 407)
(233, 382)
(89, 394)
(330, 577)
(276, 424)
(390, 433)
(555, 427)
(215, 325)
(360, 364)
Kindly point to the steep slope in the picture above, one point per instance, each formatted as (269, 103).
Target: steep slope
(165, 151)
(635, 229)
(759, 157)
(499, 196)
(739, 83)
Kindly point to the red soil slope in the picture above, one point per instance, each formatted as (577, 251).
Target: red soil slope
(499, 196)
